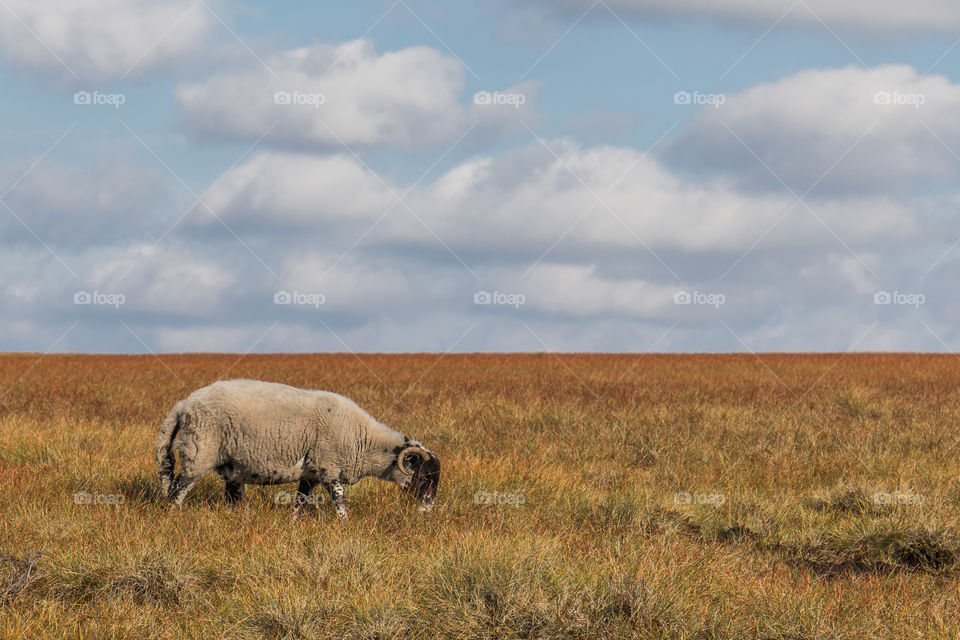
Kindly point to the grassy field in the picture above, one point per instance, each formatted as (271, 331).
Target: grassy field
(728, 496)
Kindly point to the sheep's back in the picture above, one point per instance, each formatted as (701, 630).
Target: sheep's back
(264, 428)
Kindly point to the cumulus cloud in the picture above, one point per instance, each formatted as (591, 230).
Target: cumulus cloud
(853, 129)
(362, 286)
(324, 96)
(516, 205)
(925, 15)
(275, 190)
(100, 39)
(577, 290)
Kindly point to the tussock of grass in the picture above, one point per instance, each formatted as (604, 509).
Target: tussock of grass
(17, 576)
(32, 453)
(888, 547)
(845, 499)
(288, 620)
(617, 510)
(856, 405)
(535, 597)
(142, 488)
(161, 582)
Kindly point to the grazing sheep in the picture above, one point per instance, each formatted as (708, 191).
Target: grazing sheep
(253, 432)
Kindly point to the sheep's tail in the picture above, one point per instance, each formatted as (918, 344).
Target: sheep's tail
(168, 433)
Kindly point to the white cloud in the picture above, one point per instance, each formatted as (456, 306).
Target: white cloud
(528, 198)
(931, 15)
(160, 287)
(328, 95)
(517, 204)
(356, 286)
(854, 129)
(285, 190)
(100, 39)
(577, 290)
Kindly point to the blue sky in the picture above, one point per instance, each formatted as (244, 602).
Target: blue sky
(804, 200)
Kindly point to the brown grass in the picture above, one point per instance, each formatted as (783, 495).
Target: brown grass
(823, 502)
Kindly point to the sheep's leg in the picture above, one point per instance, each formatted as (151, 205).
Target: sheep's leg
(303, 495)
(190, 474)
(195, 462)
(233, 491)
(337, 495)
(181, 487)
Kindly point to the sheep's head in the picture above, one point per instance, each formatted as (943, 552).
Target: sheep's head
(419, 471)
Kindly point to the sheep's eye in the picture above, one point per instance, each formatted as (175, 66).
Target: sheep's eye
(411, 461)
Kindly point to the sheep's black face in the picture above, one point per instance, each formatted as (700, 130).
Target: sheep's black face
(426, 478)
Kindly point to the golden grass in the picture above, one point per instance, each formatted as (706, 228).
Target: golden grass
(823, 502)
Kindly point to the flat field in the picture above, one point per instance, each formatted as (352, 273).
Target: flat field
(582, 496)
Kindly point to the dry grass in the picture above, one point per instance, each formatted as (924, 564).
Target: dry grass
(823, 502)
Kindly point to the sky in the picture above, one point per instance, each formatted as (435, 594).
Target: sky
(533, 175)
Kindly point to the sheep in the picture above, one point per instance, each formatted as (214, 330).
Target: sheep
(254, 432)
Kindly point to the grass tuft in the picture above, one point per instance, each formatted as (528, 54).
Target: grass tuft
(17, 575)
